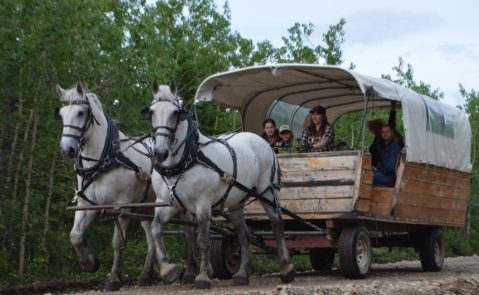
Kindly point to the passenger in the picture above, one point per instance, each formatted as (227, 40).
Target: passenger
(385, 172)
(270, 134)
(288, 143)
(319, 135)
(377, 147)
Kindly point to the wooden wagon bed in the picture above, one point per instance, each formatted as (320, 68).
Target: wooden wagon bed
(338, 186)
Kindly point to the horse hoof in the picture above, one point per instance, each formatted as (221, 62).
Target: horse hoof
(112, 286)
(288, 277)
(240, 281)
(171, 275)
(188, 279)
(200, 284)
(144, 281)
(92, 266)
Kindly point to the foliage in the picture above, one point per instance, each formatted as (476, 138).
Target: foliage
(118, 47)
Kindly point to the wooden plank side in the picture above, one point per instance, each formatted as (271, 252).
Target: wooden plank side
(427, 173)
(428, 201)
(441, 170)
(434, 189)
(362, 205)
(308, 175)
(321, 192)
(382, 195)
(429, 215)
(307, 206)
(318, 163)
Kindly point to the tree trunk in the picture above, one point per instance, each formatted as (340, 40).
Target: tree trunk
(13, 146)
(21, 156)
(26, 203)
(46, 215)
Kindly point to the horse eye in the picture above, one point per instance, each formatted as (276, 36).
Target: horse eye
(80, 113)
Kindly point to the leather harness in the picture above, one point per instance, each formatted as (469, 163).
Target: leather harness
(111, 156)
(192, 155)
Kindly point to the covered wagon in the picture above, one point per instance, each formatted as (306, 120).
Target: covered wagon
(334, 190)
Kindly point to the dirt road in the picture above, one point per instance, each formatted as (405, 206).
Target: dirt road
(459, 276)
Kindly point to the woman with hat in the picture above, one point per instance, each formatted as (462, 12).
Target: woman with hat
(319, 135)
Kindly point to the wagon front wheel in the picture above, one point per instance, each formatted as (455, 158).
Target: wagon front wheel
(355, 252)
(321, 258)
(431, 250)
(225, 257)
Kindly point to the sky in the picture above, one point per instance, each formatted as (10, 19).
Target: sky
(440, 39)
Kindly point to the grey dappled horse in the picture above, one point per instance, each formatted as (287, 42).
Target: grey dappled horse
(111, 169)
(180, 176)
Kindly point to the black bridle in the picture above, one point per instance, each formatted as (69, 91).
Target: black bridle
(90, 119)
(170, 132)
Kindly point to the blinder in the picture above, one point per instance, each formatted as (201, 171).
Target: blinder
(181, 115)
(145, 113)
(90, 119)
(56, 114)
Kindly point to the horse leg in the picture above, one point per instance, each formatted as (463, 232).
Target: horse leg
(118, 242)
(83, 219)
(242, 276)
(287, 271)
(202, 280)
(168, 271)
(191, 265)
(146, 276)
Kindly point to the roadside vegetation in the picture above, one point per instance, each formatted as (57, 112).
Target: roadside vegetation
(118, 47)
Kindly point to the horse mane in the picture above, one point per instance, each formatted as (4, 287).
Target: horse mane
(164, 94)
(72, 94)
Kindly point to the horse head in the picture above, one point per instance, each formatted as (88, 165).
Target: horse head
(78, 114)
(165, 114)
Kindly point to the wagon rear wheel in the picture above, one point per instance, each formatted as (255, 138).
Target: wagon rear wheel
(225, 257)
(321, 258)
(431, 250)
(355, 252)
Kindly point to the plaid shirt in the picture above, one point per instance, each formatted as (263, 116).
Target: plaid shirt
(308, 140)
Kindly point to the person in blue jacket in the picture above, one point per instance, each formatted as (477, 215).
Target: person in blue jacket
(385, 172)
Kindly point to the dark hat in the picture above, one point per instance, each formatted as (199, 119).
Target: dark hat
(318, 109)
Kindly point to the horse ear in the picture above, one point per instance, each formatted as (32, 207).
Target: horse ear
(155, 87)
(61, 92)
(80, 88)
(173, 87)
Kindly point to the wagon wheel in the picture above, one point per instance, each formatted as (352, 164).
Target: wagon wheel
(225, 257)
(321, 258)
(431, 250)
(355, 252)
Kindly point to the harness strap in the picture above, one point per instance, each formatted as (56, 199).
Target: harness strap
(111, 157)
(235, 172)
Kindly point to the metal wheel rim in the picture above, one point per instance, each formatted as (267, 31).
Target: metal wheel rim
(233, 256)
(363, 255)
(438, 252)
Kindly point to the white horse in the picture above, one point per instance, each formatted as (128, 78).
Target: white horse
(111, 169)
(190, 185)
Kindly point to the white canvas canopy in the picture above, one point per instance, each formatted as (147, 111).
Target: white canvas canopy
(435, 133)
